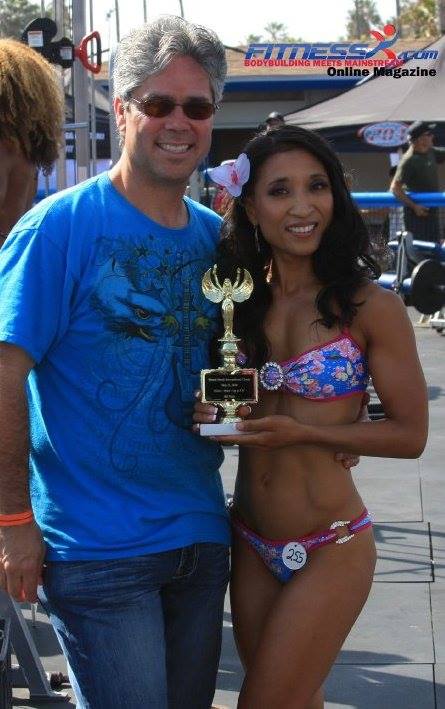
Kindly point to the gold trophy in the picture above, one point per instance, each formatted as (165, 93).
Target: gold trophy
(228, 386)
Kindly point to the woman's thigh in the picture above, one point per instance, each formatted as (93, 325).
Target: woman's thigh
(307, 624)
(253, 591)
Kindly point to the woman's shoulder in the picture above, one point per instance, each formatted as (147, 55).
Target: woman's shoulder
(379, 308)
(371, 294)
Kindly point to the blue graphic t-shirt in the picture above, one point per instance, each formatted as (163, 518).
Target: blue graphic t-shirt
(109, 305)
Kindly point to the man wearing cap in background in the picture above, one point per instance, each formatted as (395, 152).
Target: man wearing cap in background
(274, 120)
(417, 172)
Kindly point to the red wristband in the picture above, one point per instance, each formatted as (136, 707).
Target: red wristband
(16, 519)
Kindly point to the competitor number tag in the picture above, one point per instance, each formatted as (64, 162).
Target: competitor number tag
(294, 556)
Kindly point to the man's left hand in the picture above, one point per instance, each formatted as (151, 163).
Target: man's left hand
(349, 460)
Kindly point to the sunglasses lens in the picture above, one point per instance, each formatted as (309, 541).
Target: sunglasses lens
(161, 107)
(198, 111)
(157, 107)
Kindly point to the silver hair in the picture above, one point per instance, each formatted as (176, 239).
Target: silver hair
(150, 48)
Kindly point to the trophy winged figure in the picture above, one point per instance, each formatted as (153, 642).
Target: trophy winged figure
(227, 293)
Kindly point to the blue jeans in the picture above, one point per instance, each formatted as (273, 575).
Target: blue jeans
(143, 632)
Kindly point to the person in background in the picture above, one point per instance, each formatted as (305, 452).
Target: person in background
(274, 120)
(31, 121)
(395, 214)
(417, 172)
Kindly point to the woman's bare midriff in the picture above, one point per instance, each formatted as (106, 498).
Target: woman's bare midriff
(292, 491)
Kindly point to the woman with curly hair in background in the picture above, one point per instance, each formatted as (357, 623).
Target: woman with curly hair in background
(31, 119)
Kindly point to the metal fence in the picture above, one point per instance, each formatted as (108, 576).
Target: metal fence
(385, 216)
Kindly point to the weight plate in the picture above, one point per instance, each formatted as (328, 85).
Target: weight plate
(428, 286)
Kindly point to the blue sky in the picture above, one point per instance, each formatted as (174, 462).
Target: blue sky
(234, 20)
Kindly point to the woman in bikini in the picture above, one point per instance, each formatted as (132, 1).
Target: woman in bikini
(316, 327)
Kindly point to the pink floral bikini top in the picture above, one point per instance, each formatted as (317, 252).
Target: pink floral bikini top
(324, 373)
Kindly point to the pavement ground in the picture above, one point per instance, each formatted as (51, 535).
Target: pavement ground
(394, 657)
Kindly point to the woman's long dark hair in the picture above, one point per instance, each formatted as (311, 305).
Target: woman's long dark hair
(342, 263)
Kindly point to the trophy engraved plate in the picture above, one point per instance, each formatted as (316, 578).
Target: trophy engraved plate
(229, 386)
(240, 386)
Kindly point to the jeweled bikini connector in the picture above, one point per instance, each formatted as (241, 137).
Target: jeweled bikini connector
(342, 523)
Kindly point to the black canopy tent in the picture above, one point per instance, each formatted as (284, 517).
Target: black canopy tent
(377, 99)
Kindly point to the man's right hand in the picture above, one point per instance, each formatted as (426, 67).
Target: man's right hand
(420, 211)
(22, 551)
(208, 413)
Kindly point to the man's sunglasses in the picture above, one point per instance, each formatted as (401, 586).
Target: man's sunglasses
(158, 107)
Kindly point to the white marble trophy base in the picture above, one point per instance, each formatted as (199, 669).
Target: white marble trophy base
(219, 429)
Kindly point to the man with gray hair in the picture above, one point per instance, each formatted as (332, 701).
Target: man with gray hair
(107, 494)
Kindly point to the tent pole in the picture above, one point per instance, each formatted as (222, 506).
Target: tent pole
(399, 26)
(59, 18)
(81, 98)
(93, 105)
(117, 18)
(441, 15)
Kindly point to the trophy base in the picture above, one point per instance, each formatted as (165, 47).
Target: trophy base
(219, 429)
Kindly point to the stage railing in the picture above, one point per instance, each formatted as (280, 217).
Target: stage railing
(385, 216)
(387, 199)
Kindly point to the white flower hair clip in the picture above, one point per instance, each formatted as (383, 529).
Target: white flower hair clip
(232, 176)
